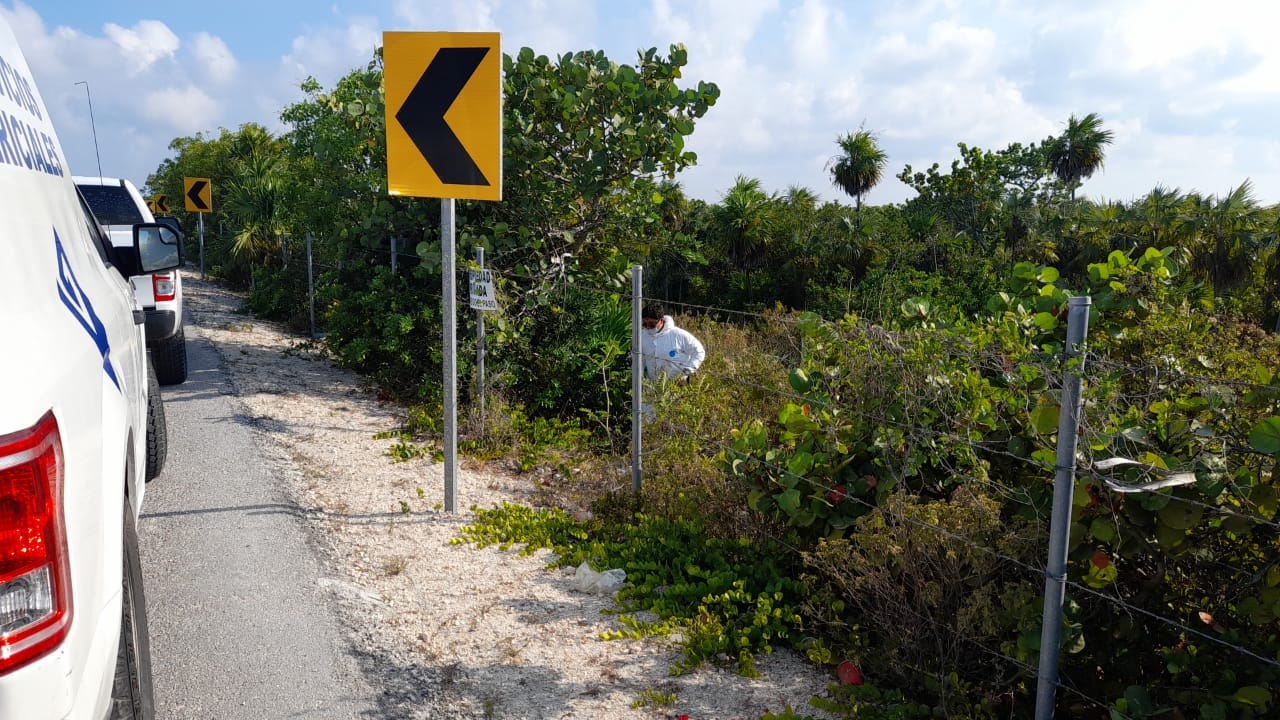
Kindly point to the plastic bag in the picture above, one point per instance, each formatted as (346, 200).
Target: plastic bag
(602, 583)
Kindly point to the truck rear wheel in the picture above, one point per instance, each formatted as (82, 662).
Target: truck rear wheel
(157, 427)
(170, 358)
(132, 696)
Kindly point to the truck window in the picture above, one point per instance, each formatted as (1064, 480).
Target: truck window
(100, 241)
(111, 204)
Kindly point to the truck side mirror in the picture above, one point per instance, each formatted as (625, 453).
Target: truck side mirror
(159, 248)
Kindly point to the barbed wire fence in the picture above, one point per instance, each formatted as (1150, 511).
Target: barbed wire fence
(1076, 465)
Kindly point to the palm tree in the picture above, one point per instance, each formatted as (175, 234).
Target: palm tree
(795, 235)
(256, 199)
(799, 196)
(859, 166)
(1232, 237)
(743, 221)
(1077, 153)
(1159, 216)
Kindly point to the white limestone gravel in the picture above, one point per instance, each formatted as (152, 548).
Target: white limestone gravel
(449, 630)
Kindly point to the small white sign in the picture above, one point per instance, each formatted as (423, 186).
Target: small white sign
(482, 294)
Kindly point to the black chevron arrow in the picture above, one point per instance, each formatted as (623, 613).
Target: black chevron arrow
(193, 195)
(422, 115)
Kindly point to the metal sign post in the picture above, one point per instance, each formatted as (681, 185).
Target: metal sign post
(450, 321)
(200, 225)
(444, 140)
(197, 196)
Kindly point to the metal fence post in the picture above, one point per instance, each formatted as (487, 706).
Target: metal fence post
(1060, 526)
(480, 349)
(637, 371)
(311, 288)
(394, 253)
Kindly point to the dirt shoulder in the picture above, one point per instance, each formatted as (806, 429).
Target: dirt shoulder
(448, 630)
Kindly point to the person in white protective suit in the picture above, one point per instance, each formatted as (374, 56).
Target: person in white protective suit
(670, 352)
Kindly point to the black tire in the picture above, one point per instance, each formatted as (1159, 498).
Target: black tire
(170, 358)
(132, 695)
(157, 427)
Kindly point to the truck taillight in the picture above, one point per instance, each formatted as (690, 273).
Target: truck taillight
(162, 286)
(35, 579)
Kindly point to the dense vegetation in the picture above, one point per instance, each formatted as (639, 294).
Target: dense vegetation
(864, 468)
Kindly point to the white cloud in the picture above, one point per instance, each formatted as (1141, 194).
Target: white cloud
(809, 32)
(215, 58)
(1200, 55)
(1158, 33)
(425, 15)
(187, 110)
(550, 27)
(948, 84)
(948, 49)
(717, 34)
(144, 44)
(328, 53)
(477, 14)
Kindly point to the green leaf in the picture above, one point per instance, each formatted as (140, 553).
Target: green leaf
(1265, 437)
(801, 463)
(1154, 501)
(1170, 538)
(1029, 641)
(789, 501)
(1103, 530)
(1044, 418)
(1253, 696)
(803, 517)
(1045, 321)
(1045, 457)
(1139, 701)
(799, 381)
(1180, 515)
(1213, 711)
(1266, 500)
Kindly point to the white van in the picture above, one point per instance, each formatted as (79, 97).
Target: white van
(119, 206)
(81, 429)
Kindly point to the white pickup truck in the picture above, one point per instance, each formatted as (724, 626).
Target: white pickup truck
(119, 206)
(81, 430)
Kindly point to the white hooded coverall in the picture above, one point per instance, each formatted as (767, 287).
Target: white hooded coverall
(671, 352)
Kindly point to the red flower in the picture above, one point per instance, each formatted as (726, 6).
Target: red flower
(849, 673)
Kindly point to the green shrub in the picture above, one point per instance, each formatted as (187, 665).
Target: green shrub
(729, 598)
(920, 590)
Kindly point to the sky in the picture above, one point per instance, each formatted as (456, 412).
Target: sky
(1191, 90)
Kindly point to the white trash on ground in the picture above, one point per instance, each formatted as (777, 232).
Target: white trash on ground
(602, 583)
